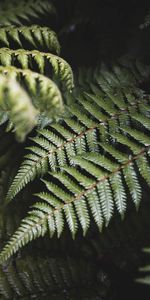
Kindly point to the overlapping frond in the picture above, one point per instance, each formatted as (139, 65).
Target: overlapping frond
(19, 64)
(17, 12)
(44, 92)
(26, 59)
(35, 36)
(15, 102)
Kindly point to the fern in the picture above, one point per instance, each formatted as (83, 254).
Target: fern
(15, 12)
(83, 195)
(35, 36)
(82, 183)
(89, 156)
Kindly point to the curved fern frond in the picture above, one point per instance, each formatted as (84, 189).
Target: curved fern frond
(15, 12)
(44, 92)
(92, 119)
(15, 102)
(35, 36)
(26, 59)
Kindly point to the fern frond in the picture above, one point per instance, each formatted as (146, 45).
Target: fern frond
(15, 102)
(93, 118)
(44, 92)
(95, 156)
(34, 35)
(77, 194)
(26, 59)
(15, 12)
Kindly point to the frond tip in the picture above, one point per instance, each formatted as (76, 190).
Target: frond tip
(17, 106)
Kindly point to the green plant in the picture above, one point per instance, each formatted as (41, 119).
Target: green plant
(100, 126)
(85, 129)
